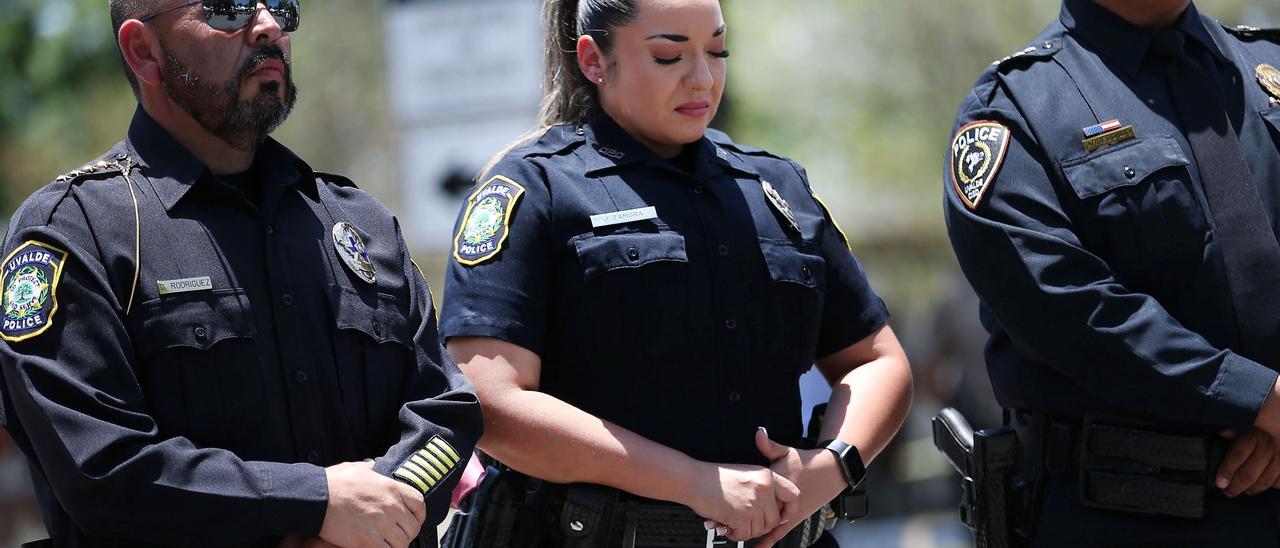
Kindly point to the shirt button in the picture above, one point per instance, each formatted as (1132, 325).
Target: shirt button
(724, 250)
(730, 324)
(201, 333)
(699, 189)
(734, 397)
(1129, 172)
(271, 230)
(313, 457)
(377, 328)
(807, 274)
(633, 254)
(286, 299)
(300, 377)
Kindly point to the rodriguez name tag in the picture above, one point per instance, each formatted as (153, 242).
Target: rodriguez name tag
(169, 287)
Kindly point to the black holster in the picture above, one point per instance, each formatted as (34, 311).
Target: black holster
(997, 489)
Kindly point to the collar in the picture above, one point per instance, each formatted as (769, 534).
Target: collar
(1122, 41)
(174, 171)
(610, 146)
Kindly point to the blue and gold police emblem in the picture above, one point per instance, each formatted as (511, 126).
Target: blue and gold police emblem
(351, 250)
(487, 221)
(30, 282)
(976, 155)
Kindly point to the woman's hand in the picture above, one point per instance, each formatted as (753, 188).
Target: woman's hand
(749, 500)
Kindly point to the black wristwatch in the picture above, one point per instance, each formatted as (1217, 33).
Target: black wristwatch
(850, 461)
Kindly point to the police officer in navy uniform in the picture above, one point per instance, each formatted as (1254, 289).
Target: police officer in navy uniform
(635, 296)
(1113, 195)
(206, 342)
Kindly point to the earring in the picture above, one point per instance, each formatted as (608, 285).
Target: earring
(600, 80)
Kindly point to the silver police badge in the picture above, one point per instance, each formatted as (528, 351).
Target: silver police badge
(976, 155)
(351, 249)
(780, 205)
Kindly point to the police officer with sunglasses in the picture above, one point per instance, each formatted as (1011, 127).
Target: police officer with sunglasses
(203, 341)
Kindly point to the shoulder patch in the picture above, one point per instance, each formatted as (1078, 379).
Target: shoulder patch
(487, 221)
(428, 467)
(30, 286)
(977, 152)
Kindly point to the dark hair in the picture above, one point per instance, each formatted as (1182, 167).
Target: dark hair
(567, 96)
(124, 10)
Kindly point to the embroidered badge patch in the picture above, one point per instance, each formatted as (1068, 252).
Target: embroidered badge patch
(976, 155)
(430, 465)
(351, 250)
(30, 283)
(486, 223)
(1269, 78)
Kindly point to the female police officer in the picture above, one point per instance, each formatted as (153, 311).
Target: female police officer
(634, 295)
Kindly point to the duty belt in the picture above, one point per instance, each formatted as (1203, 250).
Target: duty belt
(1129, 465)
(626, 521)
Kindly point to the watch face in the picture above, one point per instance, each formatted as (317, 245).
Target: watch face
(850, 461)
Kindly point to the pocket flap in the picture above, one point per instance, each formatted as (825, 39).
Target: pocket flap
(376, 315)
(1122, 165)
(629, 250)
(197, 323)
(788, 263)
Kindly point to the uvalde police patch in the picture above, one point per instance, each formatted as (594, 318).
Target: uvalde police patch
(30, 285)
(486, 223)
(976, 154)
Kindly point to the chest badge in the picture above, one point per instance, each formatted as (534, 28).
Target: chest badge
(1269, 77)
(352, 250)
(977, 151)
(780, 205)
(30, 289)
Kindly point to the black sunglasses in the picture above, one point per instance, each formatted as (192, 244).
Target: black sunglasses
(233, 15)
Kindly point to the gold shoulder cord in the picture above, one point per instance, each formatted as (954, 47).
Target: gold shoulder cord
(137, 235)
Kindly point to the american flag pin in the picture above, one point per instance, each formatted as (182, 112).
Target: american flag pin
(1099, 129)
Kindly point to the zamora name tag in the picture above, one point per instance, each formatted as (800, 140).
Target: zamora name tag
(620, 217)
(169, 287)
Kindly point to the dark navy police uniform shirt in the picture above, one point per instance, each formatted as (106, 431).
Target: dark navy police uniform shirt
(200, 362)
(1099, 275)
(688, 323)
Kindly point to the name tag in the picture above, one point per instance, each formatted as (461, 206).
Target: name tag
(621, 217)
(169, 287)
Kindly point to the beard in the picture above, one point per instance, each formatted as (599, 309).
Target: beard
(218, 108)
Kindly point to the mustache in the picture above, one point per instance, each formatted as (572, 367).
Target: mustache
(262, 55)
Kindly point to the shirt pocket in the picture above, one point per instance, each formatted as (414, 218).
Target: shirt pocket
(798, 274)
(1138, 207)
(634, 292)
(200, 369)
(374, 358)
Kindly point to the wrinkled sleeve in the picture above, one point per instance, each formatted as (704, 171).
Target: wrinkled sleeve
(440, 419)
(851, 310)
(1064, 307)
(506, 296)
(74, 392)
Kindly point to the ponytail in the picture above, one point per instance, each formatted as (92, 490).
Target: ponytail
(568, 97)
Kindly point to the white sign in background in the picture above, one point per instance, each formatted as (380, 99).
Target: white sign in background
(465, 80)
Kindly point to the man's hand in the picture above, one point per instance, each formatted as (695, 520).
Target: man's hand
(816, 472)
(1252, 464)
(749, 500)
(369, 509)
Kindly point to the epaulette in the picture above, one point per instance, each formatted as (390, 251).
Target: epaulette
(335, 179)
(722, 139)
(104, 166)
(1246, 31)
(553, 141)
(1045, 48)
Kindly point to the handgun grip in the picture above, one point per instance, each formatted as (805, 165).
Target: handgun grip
(954, 437)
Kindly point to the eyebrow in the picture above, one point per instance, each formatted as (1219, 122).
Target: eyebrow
(683, 38)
